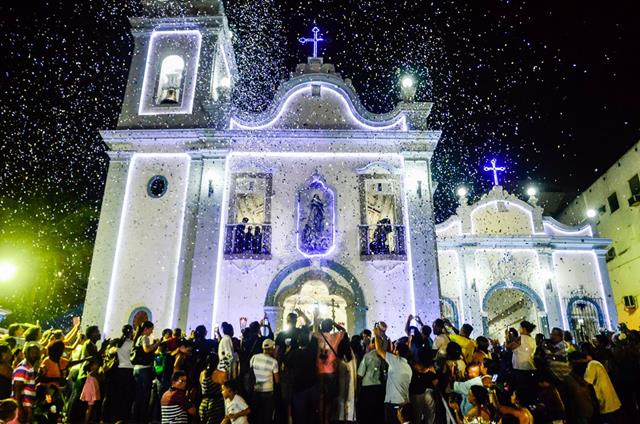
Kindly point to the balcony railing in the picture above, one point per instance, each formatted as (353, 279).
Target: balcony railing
(382, 241)
(247, 241)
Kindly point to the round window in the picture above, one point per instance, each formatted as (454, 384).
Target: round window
(157, 186)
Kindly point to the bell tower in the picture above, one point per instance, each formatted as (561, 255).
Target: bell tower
(183, 66)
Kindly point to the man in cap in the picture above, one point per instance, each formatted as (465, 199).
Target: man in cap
(265, 368)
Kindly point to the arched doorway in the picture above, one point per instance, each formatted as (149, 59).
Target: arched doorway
(325, 285)
(506, 305)
(314, 297)
(585, 318)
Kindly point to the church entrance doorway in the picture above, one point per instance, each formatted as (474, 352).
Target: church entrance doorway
(314, 298)
(325, 287)
(505, 308)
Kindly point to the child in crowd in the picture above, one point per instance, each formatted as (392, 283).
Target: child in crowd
(235, 408)
(91, 389)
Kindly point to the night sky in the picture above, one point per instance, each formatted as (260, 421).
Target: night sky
(549, 88)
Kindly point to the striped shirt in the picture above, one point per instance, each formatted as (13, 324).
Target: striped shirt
(25, 373)
(174, 406)
(264, 366)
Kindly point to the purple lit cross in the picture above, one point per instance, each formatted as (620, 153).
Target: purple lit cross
(315, 40)
(493, 168)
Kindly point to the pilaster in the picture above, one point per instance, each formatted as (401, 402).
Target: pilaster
(104, 250)
(207, 226)
(421, 238)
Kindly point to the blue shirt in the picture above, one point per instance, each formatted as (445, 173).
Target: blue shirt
(398, 380)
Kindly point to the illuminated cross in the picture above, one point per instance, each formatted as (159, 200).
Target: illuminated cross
(315, 40)
(495, 169)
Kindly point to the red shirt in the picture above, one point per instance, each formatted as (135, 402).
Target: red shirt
(327, 361)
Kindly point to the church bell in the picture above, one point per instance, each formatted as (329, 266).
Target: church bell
(169, 96)
(170, 91)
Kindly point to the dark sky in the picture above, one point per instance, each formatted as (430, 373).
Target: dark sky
(549, 87)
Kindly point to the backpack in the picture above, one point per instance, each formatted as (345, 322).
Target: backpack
(139, 356)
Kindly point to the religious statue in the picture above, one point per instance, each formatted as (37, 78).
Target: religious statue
(315, 218)
(313, 234)
(380, 243)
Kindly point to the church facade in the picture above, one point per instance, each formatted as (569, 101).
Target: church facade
(210, 214)
(502, 261)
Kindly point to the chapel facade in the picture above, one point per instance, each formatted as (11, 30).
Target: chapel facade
(501, 261)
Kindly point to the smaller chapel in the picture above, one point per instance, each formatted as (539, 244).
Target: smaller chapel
(501, 261)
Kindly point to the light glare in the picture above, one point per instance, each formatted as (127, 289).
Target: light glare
(7, 271)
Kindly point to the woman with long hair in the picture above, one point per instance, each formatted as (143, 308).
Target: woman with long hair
(120, 386)
(142, 356)
(345, 404)
(211, 380)
(481, 412)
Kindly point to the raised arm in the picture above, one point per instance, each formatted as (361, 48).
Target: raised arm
(302, 315)
(407, 326)
(378, 342)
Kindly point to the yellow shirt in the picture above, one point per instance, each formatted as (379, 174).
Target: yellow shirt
(467, 345)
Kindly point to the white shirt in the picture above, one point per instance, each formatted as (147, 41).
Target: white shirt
(597, 375)
(124, 354)
(225, 353)
(264, 367)
(523, 354)
(440, 344)
(235, 405)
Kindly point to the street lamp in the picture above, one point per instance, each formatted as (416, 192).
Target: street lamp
(7, 271)
(408, 88)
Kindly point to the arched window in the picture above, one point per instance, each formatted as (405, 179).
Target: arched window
(585, 318)
(170, 81)
(449, 310)
(139, 315)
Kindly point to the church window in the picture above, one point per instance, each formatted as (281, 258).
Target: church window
(613, 202)
(170, 81)
(248, 229)
(157, 186)
(634, 185)
(382, 235)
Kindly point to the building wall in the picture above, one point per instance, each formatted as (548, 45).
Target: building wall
(622, 226)
(149, 240)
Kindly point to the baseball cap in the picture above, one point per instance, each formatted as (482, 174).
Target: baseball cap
(268, 344)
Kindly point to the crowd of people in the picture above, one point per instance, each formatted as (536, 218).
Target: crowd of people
(314, 372)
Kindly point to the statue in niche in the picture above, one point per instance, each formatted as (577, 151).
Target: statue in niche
(315, 213)
(380, 243)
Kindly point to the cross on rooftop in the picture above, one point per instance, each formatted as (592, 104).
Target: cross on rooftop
(315, 40)
(495, 169)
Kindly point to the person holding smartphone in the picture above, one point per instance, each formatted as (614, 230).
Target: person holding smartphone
(398, 376)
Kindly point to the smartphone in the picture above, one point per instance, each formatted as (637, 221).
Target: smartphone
(494, 379)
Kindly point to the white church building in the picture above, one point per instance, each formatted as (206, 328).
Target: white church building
(210, 214)
(500, 261)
